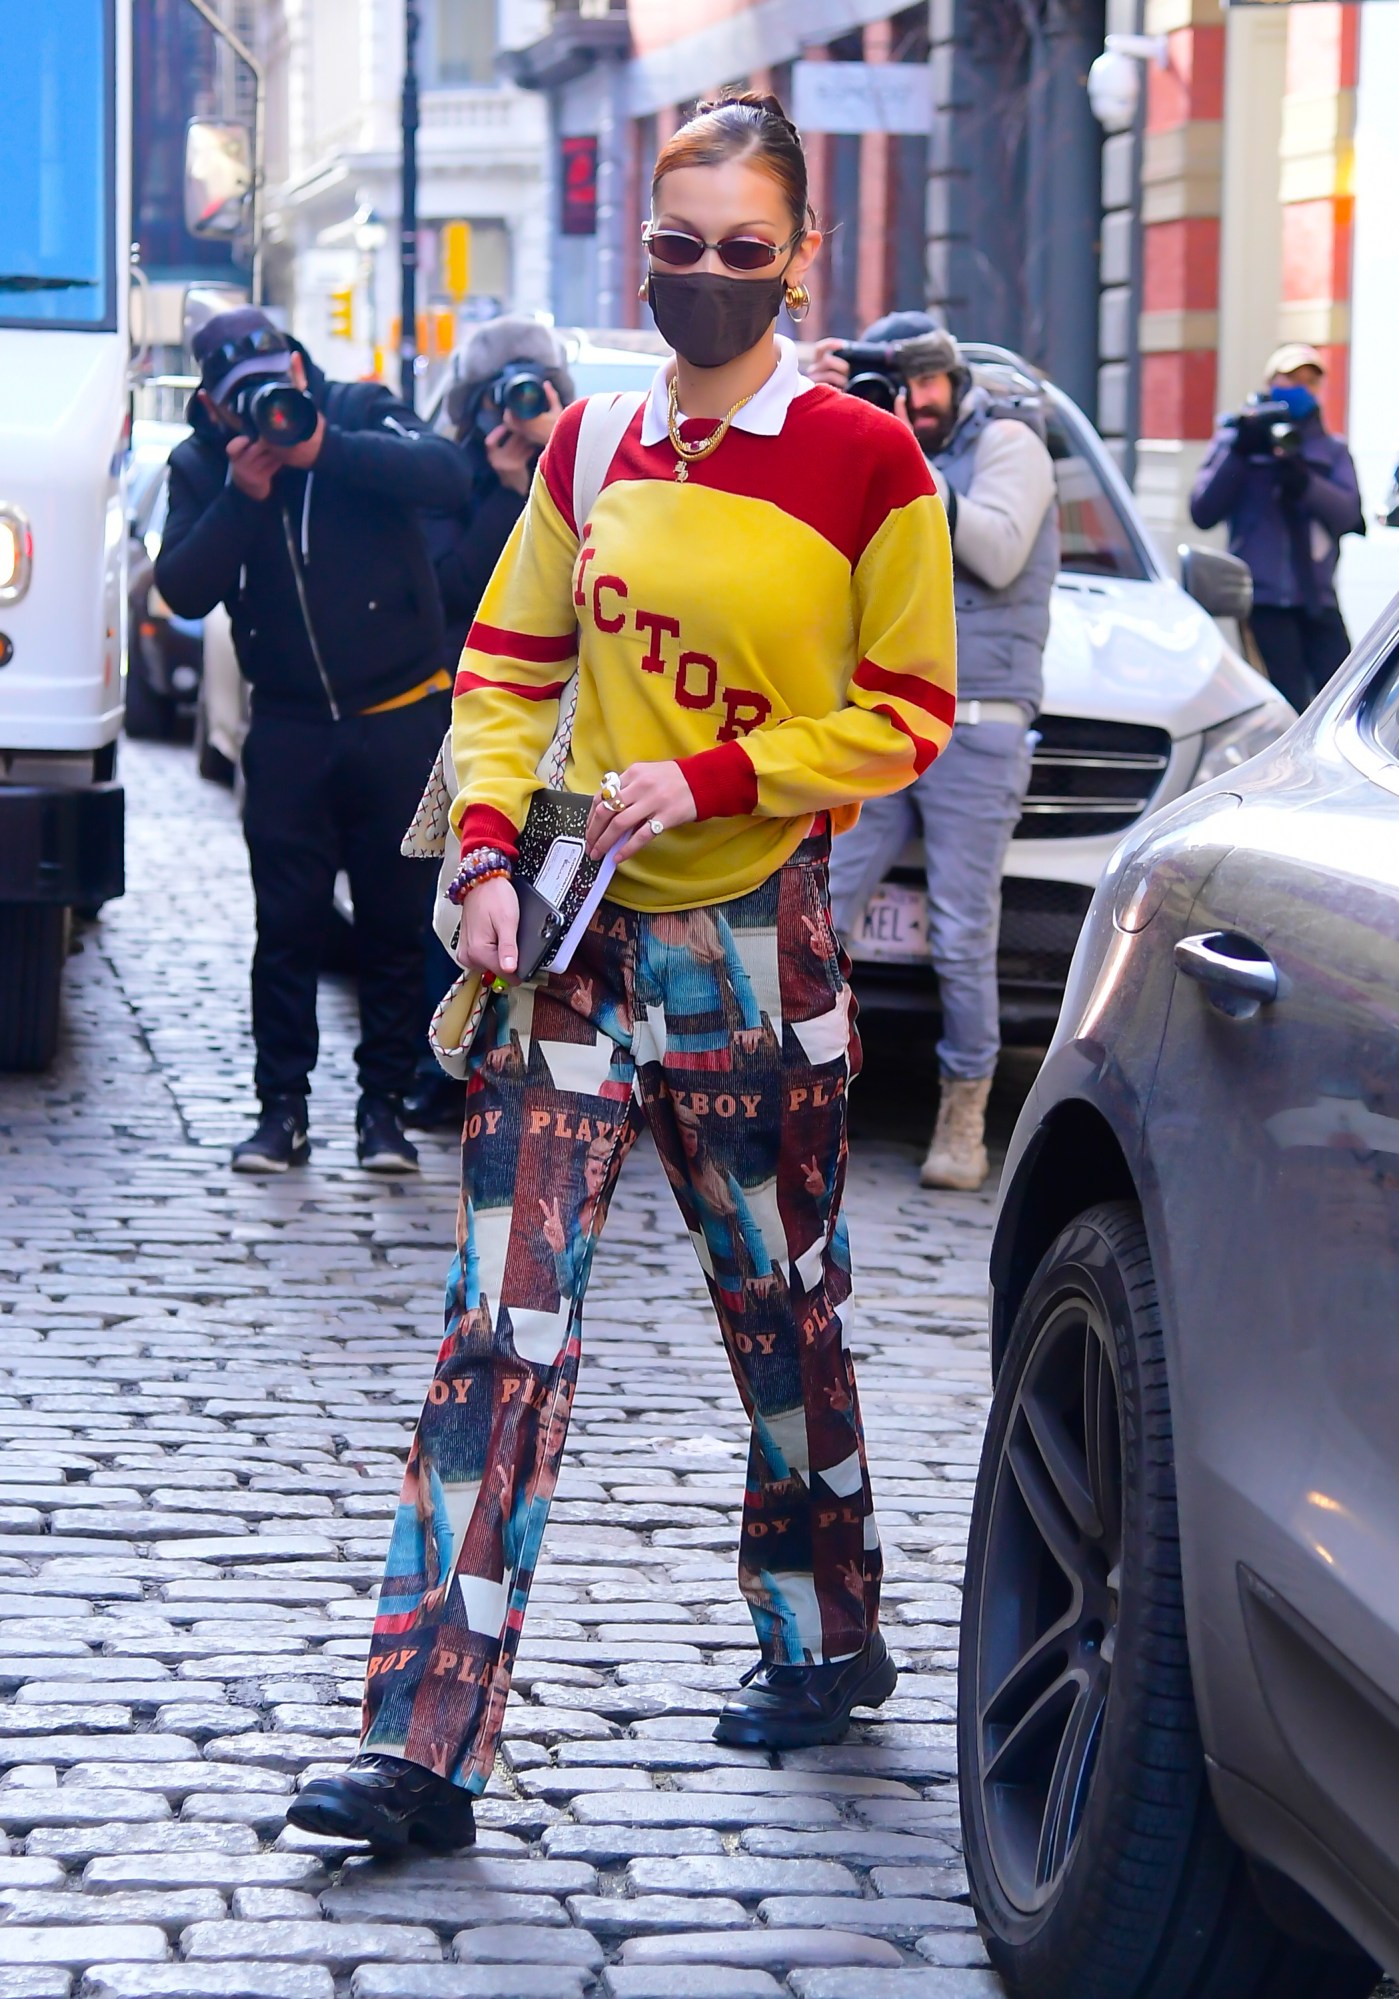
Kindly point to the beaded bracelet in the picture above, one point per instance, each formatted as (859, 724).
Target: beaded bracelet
(478, 865)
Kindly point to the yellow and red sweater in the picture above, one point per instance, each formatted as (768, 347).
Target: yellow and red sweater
(780, 624)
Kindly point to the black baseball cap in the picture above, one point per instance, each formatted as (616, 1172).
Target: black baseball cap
(235, 344)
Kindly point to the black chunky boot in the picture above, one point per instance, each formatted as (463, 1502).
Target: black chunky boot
(793, 1707)
(390, 1803)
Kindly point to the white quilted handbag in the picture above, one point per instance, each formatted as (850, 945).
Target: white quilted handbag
(460, 1011)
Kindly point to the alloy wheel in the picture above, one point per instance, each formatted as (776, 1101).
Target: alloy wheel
(1047, 1619)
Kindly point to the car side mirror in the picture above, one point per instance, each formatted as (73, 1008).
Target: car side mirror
(218, 177)
(1220, 583)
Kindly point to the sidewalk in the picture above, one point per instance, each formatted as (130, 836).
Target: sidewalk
(206, 1388)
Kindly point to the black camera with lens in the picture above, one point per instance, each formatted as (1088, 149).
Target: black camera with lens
(1264, 428)
(272, 410)
(519, 388)
(875, 374)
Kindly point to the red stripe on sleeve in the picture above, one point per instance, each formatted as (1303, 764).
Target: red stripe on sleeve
(722, 781)
(939, 702)
(537, 648)
(483, 826)
(467, 682)
(924, 752)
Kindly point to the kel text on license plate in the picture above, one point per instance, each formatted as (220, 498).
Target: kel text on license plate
(895, 924)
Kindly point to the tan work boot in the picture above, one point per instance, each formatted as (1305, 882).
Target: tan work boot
(957, 1154)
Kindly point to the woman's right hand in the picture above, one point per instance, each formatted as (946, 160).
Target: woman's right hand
(490, 919)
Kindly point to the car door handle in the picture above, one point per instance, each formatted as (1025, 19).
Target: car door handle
(1238, 975)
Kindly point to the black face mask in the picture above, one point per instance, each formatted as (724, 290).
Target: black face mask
(710, 319)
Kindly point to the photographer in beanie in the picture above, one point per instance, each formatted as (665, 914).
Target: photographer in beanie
(506, 362)
(506, 367)
(295, 502)
(996, 479)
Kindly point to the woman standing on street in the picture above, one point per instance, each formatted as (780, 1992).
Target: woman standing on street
(760, 608)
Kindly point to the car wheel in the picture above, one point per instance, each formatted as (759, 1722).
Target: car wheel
(33, 945)
(210, 762)
(1098, 1866)
(149, 716)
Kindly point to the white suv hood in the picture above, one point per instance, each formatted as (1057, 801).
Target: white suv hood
(1142, 652)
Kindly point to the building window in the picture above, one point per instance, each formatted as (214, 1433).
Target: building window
(466, 42)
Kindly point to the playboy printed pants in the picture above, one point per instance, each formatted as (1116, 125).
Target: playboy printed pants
(729, 1031)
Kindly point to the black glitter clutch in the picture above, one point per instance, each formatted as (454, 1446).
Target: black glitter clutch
(559, 886)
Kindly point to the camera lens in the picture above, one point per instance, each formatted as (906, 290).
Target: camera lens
(524, 397)
(282, 414)
(876, 389)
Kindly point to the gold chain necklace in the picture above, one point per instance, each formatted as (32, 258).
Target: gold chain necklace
(687, 455)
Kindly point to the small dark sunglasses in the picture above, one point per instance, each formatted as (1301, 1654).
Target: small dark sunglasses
(262, 340)
(740, 253)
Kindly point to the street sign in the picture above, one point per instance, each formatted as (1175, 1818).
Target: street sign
(862, 97)
(456, 259)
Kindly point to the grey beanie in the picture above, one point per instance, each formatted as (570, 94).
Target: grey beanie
(901, 326)
(490, 346)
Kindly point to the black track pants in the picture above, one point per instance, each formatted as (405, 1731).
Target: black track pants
(325, 795)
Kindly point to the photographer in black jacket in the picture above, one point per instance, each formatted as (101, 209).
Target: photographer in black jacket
(317, 550)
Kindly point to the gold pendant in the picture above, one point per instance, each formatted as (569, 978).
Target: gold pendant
(682, 471)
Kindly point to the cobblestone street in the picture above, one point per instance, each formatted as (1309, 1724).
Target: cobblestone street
(207, 1386)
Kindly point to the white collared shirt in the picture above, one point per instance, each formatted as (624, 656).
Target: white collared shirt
(763, 416)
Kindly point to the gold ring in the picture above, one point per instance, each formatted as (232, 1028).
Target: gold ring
(610, 791)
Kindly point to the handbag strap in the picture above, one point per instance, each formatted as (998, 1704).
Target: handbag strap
(601, 429)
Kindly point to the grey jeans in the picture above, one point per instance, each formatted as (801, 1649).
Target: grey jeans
(967, 805)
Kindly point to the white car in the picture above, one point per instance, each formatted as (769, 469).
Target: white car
(1143, 699)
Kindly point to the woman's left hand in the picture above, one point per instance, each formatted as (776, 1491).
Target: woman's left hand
(649, 791)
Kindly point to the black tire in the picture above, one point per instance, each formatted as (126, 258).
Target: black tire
(33, 945)
(1098, 1866)
(149, 716)
(211, 763)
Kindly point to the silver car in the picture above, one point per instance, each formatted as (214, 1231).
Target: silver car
(1179, 1698)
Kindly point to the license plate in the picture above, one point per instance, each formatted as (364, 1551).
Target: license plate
(895, 925)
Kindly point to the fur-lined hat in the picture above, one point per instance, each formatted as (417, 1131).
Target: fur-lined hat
(490, 346)
(935, 353)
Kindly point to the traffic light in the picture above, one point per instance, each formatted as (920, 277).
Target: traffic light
(342, 313)
(456, 259)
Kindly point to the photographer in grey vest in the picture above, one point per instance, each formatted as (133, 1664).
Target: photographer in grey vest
(997, 481)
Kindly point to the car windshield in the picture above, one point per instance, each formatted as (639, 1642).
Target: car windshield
(56, 104)
(1095, 538)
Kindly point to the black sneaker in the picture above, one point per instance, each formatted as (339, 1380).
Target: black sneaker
(388, 1802)
(382, 1145)
(280, 1140)
(792, 1707)
(437, 1104)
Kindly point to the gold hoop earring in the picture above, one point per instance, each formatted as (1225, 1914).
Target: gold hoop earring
(798, 302)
